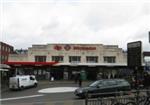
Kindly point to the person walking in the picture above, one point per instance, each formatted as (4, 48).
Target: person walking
(80, 80)
(76, 78)
(146, 82)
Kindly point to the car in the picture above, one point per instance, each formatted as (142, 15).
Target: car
(107, 86)
(22, 81)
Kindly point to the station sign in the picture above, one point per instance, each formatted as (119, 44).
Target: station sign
(134, 58)
(75, 47)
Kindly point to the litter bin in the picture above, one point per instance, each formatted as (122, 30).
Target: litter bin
(83, 75)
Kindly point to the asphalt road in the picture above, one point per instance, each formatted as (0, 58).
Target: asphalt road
(31, 96)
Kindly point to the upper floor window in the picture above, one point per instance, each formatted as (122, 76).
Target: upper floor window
(74, 59)
(40, 58)
(92, 59)
(109, 59)
(57, 58)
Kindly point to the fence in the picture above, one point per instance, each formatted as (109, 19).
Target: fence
(135, 98)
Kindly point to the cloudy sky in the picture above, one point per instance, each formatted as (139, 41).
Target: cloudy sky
(109, 22)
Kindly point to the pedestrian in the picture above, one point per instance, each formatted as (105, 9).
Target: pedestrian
(76, 78)
(80, 80)
(146, 80)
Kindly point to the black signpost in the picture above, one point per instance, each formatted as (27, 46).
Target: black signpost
(134, 58)
(134, 54)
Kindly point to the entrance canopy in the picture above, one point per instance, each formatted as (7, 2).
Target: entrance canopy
(31, 63)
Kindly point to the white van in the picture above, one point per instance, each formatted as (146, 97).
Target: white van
(22, 81)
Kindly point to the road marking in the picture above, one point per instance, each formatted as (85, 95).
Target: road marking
(15, 98)
(58, 90)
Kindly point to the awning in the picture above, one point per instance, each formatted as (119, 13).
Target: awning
(2, 66)
(4, 70)
(31, 63)
(92, 64)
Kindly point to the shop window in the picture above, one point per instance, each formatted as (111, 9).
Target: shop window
(109, 59)
(57, 58)
(92, 59)
(75, 59)
(40, 58)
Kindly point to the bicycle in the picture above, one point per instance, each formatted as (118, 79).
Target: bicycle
(110, 101)
(144, 100)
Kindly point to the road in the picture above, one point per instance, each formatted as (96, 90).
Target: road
(31, 96)
(41, 96)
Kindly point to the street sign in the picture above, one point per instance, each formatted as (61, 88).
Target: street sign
(134, 58)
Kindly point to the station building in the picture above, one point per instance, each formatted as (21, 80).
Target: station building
(63, 61)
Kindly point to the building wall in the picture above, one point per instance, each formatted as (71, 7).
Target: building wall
(5, 50)
(18, 58)
(67, 50)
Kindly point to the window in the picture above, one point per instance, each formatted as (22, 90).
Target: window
(31, 78)
(3, 58)
(2, 48)
(92, 59)
(57, 58)
(8, 49)
(110, 83)
(40, 58)
(74, 59)
(109, 59)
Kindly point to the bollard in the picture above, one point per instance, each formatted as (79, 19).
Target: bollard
(86, 98)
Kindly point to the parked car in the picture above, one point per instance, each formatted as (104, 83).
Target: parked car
(106, 86)
(22, 81)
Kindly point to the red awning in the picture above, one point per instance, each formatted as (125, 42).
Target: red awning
(31, 63)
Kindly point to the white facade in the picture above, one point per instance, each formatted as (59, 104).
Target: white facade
(101, 52)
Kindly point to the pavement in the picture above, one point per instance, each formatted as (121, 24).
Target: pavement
(3, 88)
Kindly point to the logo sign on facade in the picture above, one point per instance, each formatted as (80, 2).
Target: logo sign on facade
(84, 48)
(57, 47)
(134, 58)
(67, 47)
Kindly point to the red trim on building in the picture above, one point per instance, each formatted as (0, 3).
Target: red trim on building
(32, 63)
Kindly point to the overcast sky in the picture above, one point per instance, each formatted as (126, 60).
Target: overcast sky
(109, 22)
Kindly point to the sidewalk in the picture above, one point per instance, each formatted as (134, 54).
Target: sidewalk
(3, 88)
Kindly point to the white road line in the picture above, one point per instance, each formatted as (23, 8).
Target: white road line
(15, 98)
(58, 90)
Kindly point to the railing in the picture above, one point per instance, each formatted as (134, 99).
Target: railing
(137, 97)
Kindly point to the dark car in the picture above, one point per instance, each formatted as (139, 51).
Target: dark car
(104, 86)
